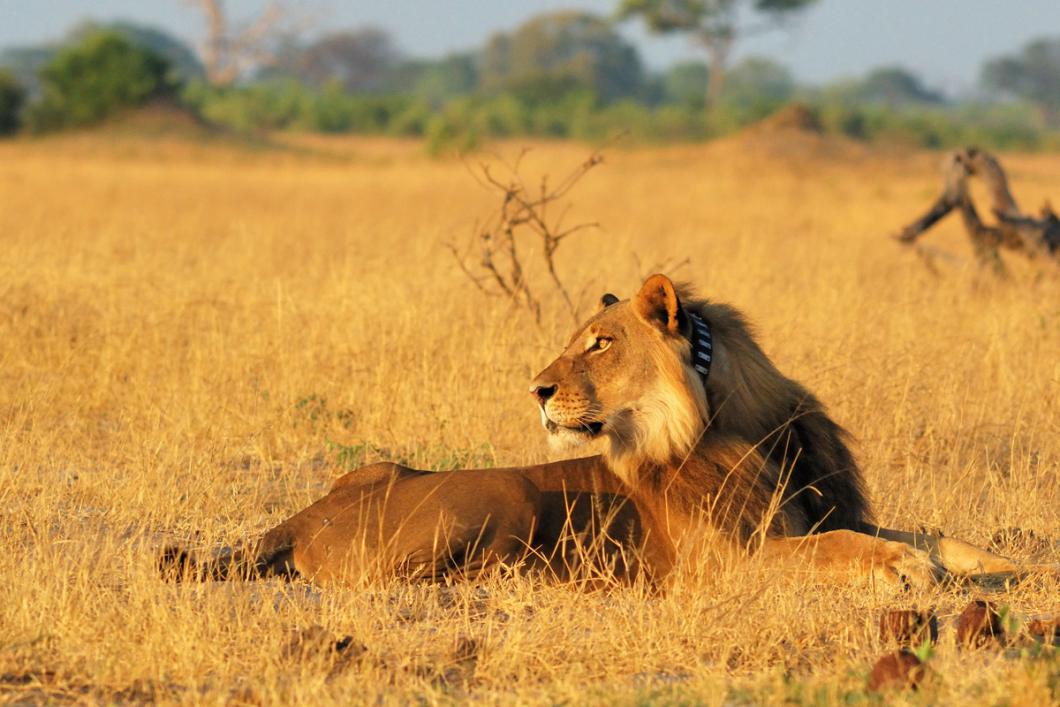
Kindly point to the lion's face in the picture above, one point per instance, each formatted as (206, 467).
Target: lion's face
(625, 381)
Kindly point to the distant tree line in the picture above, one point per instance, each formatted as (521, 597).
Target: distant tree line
(559, 74)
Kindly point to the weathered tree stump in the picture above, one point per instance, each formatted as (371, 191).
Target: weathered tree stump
(1034, 237)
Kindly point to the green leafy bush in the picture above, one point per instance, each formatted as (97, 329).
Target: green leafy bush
(283, 104)
(259, 107)
(994, 126)
(88, 81)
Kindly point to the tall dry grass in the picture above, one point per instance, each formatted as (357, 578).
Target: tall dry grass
(194, 339)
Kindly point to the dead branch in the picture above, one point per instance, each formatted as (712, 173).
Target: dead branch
(522, 219)
(1034, 237)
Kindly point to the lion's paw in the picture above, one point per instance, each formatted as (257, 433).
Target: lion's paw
(900, 565)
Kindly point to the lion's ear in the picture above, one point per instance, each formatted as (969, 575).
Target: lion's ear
(657, 304)
(606, 301)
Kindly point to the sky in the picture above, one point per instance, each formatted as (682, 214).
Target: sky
(945, 41)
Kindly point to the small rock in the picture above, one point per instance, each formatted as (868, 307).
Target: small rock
(1044, 628)
(899, 670)
(979, 625)
(308, 643)
(908, 627)
(317, 643)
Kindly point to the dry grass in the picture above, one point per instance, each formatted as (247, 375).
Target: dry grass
(194, 338)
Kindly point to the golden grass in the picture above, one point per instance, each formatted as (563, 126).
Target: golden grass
(193, 338)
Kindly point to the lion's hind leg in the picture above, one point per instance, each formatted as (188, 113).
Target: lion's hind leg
(273, 555)
(464, 524)
(374, 475)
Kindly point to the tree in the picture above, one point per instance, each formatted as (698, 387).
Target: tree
(230, 48)
(90, 80)
(26, 62)
(11, 97)
(181, 58)
(895, 87)
(562, 48)
(686, 83)
(758, 80)
(438, 81)
(712, 24)
(361, 60)
(1033, 74)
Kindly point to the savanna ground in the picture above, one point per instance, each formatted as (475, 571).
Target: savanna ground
(196, 338)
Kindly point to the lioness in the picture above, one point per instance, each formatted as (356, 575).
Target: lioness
(704, 444)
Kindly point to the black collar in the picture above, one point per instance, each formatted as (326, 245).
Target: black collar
(702, 346)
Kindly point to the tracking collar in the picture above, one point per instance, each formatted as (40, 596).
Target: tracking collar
(702, 346)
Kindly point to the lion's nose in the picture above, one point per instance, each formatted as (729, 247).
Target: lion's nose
(542, 392)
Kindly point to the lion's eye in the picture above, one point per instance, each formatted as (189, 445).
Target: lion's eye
(600, 344)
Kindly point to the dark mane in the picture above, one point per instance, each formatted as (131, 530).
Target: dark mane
(754, 404)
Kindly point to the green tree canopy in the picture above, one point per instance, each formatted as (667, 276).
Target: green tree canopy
(895, 87)
(26, 62)
(438, 80)
(713, 24)
(360, 60)
(563, 48)
(88, 81)
(758, 79)
(182, 60)
(686, 83)
(1033, 75)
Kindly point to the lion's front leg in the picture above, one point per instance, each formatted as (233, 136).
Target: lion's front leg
(956, 556)
(962, 559)
(848, 556)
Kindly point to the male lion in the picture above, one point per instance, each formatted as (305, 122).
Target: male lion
(705, 445)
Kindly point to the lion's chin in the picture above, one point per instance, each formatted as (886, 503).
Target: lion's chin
(565, 443)
(588, 431)
(569, 440)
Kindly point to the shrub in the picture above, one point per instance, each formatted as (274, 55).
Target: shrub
(263, 106)
(11, 97)
(93, 79)
(412, 120)
(453, 130)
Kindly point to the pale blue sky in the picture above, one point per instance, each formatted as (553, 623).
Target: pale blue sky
(944, 40)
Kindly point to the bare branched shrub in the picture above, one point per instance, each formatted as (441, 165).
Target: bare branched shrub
(500, 255)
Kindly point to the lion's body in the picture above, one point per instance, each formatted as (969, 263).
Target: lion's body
(746, 457)
(386, 519)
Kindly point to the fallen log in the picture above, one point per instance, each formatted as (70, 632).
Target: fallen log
(1034, 237)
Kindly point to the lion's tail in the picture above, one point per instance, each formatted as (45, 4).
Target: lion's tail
(178, 564)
